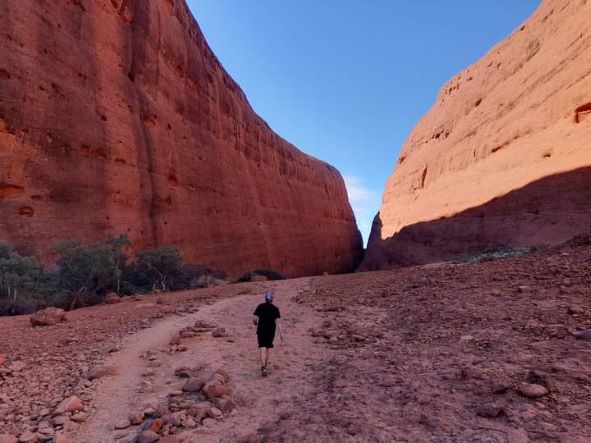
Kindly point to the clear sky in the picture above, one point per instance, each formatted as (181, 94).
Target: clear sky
(347, 80)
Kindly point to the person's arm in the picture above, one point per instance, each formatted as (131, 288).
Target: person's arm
(255, 316)
(278, 323)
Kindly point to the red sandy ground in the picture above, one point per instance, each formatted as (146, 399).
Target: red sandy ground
(404, 355)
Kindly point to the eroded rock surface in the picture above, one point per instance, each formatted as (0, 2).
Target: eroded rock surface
(503, 157)
(116, 117)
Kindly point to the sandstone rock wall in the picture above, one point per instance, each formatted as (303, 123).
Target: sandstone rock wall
(116, 117)
(514, 127)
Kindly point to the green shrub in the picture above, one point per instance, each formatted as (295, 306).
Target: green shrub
(88, 273)
(24, 287)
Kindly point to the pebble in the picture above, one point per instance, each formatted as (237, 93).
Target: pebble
(530, 390)
(122, 424)
(148, 437)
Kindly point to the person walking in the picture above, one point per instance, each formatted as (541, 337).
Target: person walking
(266, 317)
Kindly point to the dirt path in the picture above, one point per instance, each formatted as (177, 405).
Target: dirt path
(140, 382)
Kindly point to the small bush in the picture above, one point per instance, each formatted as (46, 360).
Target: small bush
(269, 274)
(494, 252)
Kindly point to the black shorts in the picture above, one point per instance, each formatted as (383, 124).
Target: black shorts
(265, 338)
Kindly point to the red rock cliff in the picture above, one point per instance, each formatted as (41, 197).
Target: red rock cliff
(504, 156)
(116, 117)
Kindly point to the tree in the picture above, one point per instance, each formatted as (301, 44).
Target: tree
(19, 278)
(85, 271)
(118, 257)
(161, 264)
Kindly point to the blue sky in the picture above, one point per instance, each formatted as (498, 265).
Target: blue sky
(347, 80)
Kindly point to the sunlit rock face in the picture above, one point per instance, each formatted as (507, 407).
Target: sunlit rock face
(116, 117)
(501, 158)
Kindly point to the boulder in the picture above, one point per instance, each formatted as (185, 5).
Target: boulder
(112, 298)
(70, 404)
(48, 317)
(214, 389)
(193, 384)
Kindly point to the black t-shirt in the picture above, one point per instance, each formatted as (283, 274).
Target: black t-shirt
(267, 314)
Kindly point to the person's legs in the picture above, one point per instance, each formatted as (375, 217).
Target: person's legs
(263, 356)
(267, 357)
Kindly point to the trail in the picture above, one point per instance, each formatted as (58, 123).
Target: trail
(260, 400)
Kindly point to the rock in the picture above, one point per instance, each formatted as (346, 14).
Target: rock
(576, 310)
(156, 425)
(80, 417)
(2, 359)
(17, 366)
(60, 438)
(122, 424)
(137, 418)
(111, 298)
(583, 335)
(6, 438)
(120, 165)
(254, 438)
(215, 389)
(221, 375)
(28, 437)
(193, 385)
(530, 390)
(500, 386)
(100, 372)
(214, 413)
(490, 410)
(70, 404)
(480, 168)
(219, 332)
(48, 317)
(59, 420)
(225, 405)
(175, 340)
(148, 437)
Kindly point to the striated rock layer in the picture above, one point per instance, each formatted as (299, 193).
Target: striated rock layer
(116, 117)
(504, 156)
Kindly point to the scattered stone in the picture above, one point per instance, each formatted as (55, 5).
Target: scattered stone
(214, 413)
(193, 384)
(254, 438)
(523, 289)
(137, 418)
(17, 366)
(100, 372)
(48, 317)
(490, 410)
(5, 438)
(148, 437)
(71, 404)
(530, 390)
(28, 437)
(214, 389)
(112, 298)
(60, 420)
(576, 310)
(2, 361)
(219, 332)
(122, 424)
(583, 335)
(501, 386)
(80, 417)
(175, 340)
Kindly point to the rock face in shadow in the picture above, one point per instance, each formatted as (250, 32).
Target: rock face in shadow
(116, 117)
(516, 117)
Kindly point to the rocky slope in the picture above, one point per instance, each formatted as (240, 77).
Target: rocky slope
(503, 158)
(116, 117)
